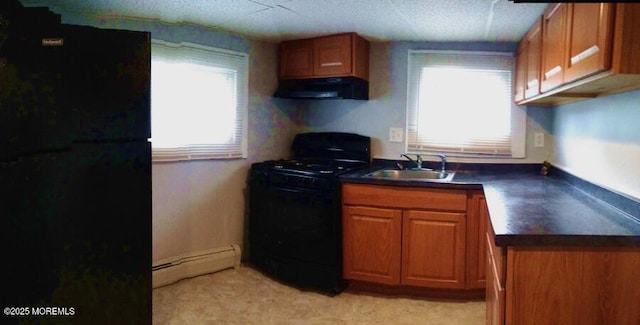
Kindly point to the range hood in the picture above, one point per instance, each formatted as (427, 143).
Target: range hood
(324, 88)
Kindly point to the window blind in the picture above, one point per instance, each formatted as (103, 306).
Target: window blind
(460, 102)
(198, 102)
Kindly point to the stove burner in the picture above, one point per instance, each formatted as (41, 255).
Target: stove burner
(313, 166)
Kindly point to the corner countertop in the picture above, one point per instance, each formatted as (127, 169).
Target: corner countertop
(528, 209)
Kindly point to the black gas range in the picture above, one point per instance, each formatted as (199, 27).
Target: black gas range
(295, 219)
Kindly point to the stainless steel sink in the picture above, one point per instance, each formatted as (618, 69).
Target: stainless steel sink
(413, 174)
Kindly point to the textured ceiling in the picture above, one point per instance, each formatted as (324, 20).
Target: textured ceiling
(376, 20)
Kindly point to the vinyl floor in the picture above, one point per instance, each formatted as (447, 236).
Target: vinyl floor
(245, 296)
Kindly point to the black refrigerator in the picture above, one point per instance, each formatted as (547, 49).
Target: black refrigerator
(75, 171)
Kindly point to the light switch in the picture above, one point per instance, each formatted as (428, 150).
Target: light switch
(396, 134)
(538, 139)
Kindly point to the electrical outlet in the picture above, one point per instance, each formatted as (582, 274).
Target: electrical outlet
(538, 139)
(396, 134)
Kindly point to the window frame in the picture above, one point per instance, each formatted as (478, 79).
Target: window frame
(518, 113)
(233, 150)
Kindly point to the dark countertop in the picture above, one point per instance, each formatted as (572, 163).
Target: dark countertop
(528, 209)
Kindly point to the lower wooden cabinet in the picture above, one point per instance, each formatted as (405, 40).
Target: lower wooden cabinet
(531, 285)
(433, 250)
(371, 249)
(494, 300)
(391, 246)
(476, 250)
(412, 236)
(495, 292)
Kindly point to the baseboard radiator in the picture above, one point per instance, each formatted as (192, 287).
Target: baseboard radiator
(176, 268)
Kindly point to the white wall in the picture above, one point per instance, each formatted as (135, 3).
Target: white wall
(387, 105)
(201, 205)
(599, 141)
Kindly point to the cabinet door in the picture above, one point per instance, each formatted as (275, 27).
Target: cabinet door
(477, 218)
(433, 252)
(296, 59)
(572, 285)
(495, 293)
(521, 72)
(554, 27)
(371, 247)
(589, 35)
(534, 52)
(332, 55)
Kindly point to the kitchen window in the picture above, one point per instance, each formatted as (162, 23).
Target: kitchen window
(460, 103)
(198, 102)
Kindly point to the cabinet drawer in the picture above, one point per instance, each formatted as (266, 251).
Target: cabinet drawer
(405, 197)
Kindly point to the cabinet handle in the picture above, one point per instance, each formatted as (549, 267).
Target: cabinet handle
(331, 64)
(585, 54)
(553, 71)
(532, 84)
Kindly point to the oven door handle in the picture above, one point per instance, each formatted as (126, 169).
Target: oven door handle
(295, 190)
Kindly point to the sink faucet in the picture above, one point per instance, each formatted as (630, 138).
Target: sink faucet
(443, 159)
(418, 160)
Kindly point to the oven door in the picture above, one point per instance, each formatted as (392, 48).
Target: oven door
(295, 223)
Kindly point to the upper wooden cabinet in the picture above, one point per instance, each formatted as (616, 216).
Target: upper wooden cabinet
(333, 55)
(528, 64)
(589, 33)
(296, 59)
(578, 39)
(588, 50)
(534, 47)
(554, 23)
(343, 55)
(521, 74)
